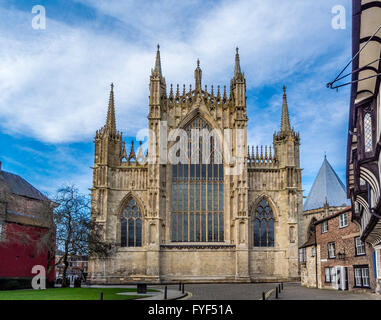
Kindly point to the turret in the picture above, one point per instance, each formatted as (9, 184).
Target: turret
(108, 141)
(198, 77)
(238, 88)
(157, 88)
(286, 141)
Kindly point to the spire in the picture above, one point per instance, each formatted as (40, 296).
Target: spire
(326, 188)
(157, 69)
(197, 76)
(110, 121)
(237, 67)
(285, 123)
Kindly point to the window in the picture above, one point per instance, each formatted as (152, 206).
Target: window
(378, 262)
(361, 276)
(331, 250)
(368, 139)
(197, 203)
(343, 220)
(131, 225)
(360, 246)
(263, 225)
(313, 251)
(302, 255)
(324, 226)
(327, 274)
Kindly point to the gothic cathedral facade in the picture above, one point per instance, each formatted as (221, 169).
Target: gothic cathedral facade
(188, 220)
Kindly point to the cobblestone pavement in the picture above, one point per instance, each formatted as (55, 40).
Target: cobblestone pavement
(293, 291)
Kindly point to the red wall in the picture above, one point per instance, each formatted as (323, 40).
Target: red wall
(16, 259)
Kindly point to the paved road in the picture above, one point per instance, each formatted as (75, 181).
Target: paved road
(253, 291)
(232, 291)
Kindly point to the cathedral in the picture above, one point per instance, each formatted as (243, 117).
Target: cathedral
(192, 208)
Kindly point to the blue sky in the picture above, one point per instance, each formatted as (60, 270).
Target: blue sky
(54, 83)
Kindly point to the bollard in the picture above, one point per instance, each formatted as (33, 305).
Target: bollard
(282, 285)
(276, 292)
(101, 296)
(179, 286)
(165, 293)
(279, 288)
(182, 289)
(263, 296)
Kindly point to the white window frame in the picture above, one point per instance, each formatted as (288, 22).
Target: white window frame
(361, 274)
(359, 244)
(377, 249)
(331, 247)
(324, 226)
(357, 273)
(302, 255)
(327, 275)
(343, 220)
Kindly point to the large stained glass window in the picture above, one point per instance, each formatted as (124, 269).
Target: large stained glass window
(263, 225)
(131, 225)
(198, 190)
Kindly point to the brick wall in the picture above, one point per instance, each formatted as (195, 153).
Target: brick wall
(344, 239)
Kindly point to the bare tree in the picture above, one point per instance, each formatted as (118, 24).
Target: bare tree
(76, 233)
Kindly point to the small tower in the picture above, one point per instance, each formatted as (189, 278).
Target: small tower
(238, 88)
(157, 88)
(198, 77)
(286, 141)
(108, 141)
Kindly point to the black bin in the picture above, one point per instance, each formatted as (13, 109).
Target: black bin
(142, 287)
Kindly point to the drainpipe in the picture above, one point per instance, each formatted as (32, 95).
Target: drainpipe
(316, 269)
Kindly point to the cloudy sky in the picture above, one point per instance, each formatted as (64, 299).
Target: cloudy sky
(54, 83)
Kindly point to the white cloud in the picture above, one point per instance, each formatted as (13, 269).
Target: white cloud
(54, 83)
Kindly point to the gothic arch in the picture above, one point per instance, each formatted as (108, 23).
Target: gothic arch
(262, 222)
(123, 242)
(138, 200)
(254, 204)
(203, 114)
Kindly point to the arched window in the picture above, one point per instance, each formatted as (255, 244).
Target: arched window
(131, 225)
(198, 189)
(368, 139)
(263, 225)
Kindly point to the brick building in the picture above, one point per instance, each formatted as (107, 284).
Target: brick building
(334, 249)
(26, 217)
(78, 268)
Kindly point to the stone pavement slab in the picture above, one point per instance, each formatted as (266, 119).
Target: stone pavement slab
(293, 291)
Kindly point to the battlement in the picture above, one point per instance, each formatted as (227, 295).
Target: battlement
(263, 157)
(190, 96)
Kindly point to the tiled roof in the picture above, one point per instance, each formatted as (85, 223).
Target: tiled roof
(19, 186)
(327, 187)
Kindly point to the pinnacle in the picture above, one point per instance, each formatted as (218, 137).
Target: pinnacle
(285, 122)
(110, 121)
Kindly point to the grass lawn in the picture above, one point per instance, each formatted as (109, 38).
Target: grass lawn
(70, 294)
